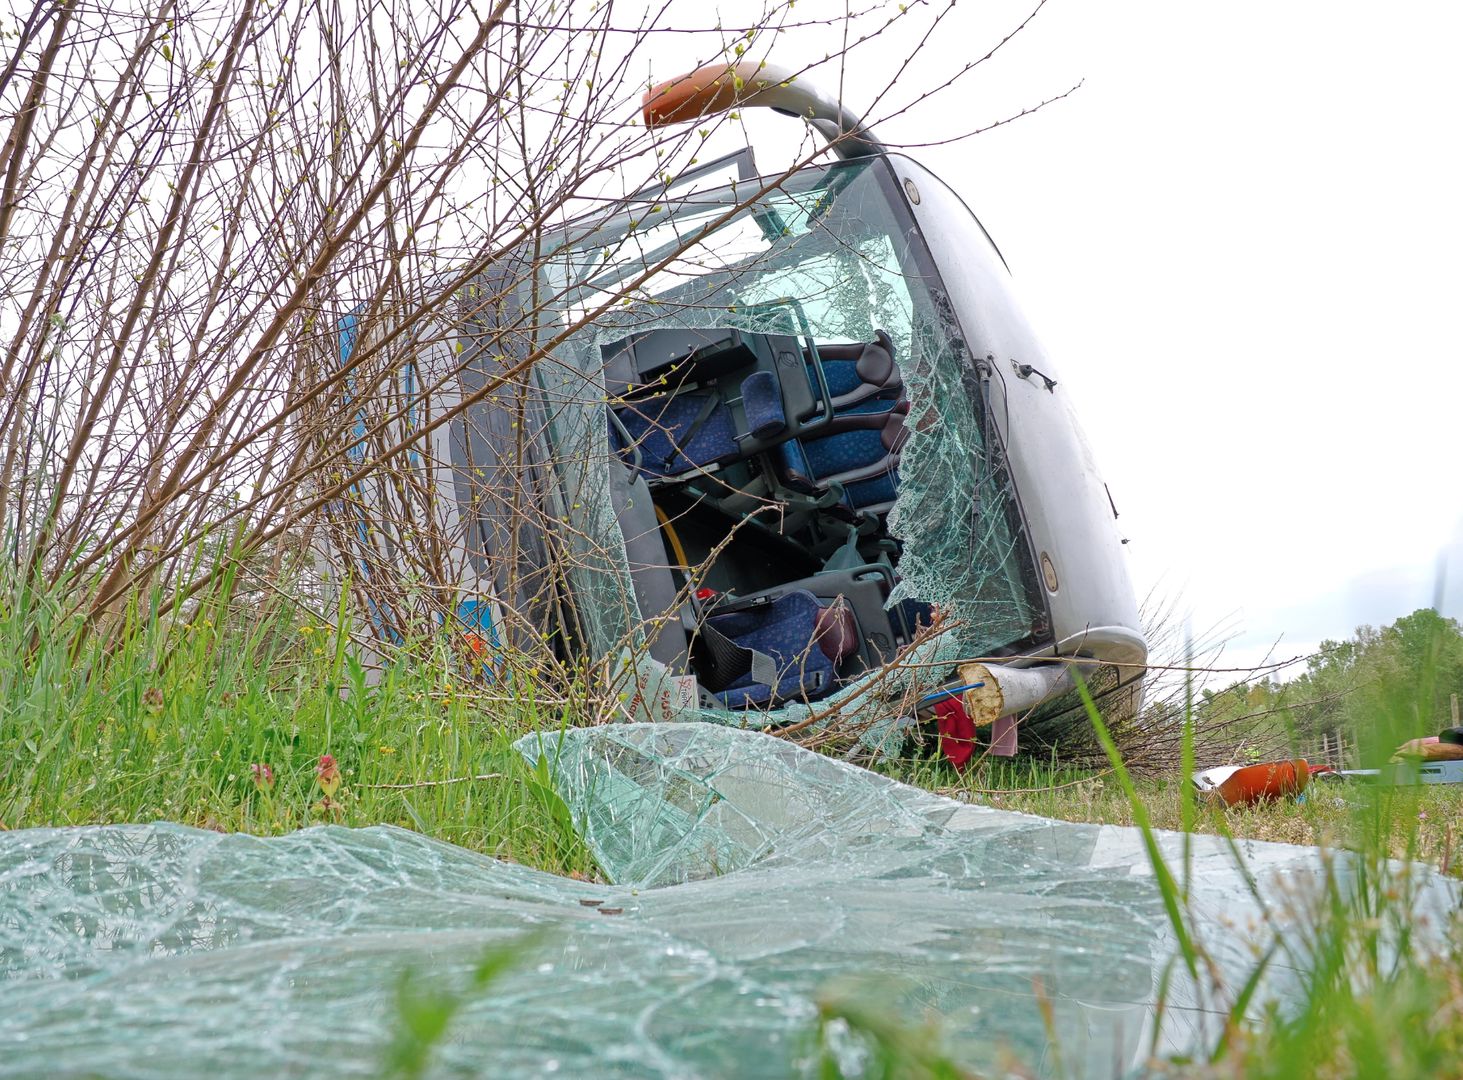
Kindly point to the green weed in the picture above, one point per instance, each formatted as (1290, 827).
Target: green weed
(221, 722)
(425, 1009)
(1369, 1004)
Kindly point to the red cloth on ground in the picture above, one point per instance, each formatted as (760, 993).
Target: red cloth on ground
(957, 731)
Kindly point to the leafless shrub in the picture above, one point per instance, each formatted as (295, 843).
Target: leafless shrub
(254, 261)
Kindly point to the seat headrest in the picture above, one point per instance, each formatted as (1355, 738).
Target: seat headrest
(836, 631)
(876, 361)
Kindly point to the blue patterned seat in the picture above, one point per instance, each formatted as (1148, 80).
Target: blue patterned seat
(784, 648)
(676, 433)
(858, 449)
(679, 432)
(856, 373)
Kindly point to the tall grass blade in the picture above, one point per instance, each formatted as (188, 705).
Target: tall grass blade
(1173, 902)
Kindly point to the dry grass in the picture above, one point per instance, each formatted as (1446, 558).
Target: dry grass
(1332, 814)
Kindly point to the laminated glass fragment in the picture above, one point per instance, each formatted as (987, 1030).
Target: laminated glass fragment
(748, 877)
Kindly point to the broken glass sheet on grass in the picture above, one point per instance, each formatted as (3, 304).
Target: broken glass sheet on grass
(750, 876)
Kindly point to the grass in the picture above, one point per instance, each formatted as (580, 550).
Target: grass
(1426, 818)
(1368, 1004)
(221, 725)
(165, 720)
(1371, 1005)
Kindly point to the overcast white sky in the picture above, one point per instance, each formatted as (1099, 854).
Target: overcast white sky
(1241, 241)
(1241, 237)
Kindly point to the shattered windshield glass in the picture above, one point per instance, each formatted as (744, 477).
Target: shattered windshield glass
(826, 239)
(832, 258)
(749, 879)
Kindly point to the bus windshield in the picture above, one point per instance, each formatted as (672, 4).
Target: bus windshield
(831, 258)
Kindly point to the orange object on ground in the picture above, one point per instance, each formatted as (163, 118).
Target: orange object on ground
(1246, 785)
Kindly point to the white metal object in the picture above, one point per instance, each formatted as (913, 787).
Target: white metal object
(1428, 772)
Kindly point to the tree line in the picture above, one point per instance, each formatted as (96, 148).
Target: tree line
(1373, 690)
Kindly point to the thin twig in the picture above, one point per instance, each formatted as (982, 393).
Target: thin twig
(435, 783)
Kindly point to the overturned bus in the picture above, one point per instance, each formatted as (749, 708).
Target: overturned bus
(780, 450)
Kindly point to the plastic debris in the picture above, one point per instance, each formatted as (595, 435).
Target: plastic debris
(1247, 785)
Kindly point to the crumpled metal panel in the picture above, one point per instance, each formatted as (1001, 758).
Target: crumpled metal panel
(750, 875)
